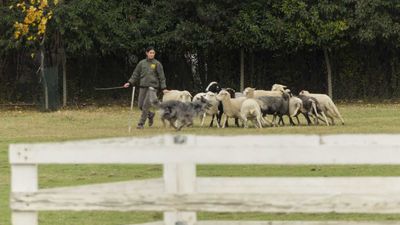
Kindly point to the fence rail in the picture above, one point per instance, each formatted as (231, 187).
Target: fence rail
(179, 194)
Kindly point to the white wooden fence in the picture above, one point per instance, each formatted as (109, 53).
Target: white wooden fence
(180, 194)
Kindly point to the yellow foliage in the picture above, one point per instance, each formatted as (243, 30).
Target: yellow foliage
(43, 4)
(30, 15)
(17, 34)
(42, 26)
(37, 14)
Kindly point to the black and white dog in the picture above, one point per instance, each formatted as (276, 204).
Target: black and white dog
(179, 114)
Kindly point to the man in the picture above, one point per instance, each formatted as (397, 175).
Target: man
(148, 73)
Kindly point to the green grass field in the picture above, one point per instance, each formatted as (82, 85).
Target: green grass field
(18, 126)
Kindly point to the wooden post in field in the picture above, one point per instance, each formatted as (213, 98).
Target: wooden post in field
(24, 178)
(179, 179)
(241, 69)
(329, 72)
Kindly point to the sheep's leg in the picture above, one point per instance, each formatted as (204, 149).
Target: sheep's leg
(190, 123)
(226, 123)
(225, 119)
(237, 122)
(280, 121)
(291, 120)
(212, 121)
(332, 119)
(316, 120)
(274, 121)
(179, 128)
(265, 121)
(298, 121)
(321, 119)
(244, 120)
(203, 117)
(218, 124)
(307, 118)
(220, 113)
(163, 121)
(310, 115)
(326, 119)
(337, 113)
(172, 123)
(259, 118)
(296, 111)
(314, 107)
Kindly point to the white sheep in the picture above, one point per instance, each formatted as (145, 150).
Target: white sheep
(183, 96)
(197, 97)
(231, 105)
(326, 104)
(278, 87)
(212, 110)
(250, 110)
(295, 106)
(253, 93)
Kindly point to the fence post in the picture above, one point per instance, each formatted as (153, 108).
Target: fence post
(24, 178)
(186, 184)
(171, 186)
(179, 178)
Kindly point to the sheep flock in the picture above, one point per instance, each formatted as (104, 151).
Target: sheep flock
(262, 107)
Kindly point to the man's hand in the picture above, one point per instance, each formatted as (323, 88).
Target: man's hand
(126, 85)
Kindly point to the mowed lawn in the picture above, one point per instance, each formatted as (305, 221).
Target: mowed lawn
(24, 125)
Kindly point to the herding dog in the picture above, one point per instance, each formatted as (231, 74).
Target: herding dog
(179, 114)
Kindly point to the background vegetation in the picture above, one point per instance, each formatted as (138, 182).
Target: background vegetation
(199, 41)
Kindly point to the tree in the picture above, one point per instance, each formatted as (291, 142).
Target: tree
(322, 25)
(32, 29)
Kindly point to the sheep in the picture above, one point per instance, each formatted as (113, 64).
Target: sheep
(213, 87)
(212, 109)
(253, 93)
(233, 94)
(278, 87)
(277, 106)
(326, 104)
(250, 109)
(295, 105)
(231, 105)
(298, 105)
(216, 88)
(198, 96)
(183, 96)
(310, 107)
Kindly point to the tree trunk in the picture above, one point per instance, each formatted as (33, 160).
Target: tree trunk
(251, 70)
(46, 92)
(329, 70)
(241, 69)
(64, 70)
